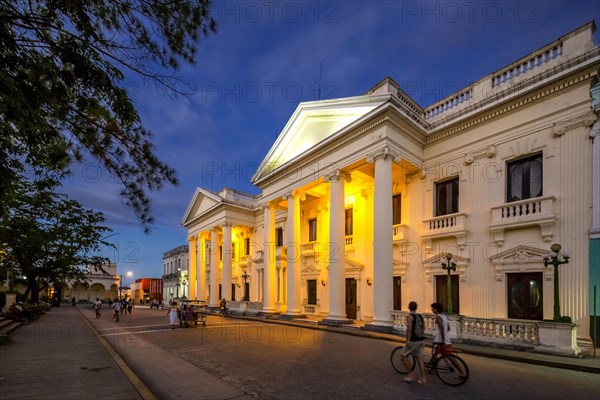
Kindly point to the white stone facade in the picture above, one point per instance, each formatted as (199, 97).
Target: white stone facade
(363, 197)
(175, 273)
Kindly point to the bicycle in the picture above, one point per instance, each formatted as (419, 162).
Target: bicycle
(450, 368)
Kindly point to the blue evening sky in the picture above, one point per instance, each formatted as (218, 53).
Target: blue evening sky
(264, 60)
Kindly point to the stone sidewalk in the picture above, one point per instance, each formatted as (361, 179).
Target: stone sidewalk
(61, 356)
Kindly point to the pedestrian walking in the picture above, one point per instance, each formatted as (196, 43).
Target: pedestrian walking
(117, 309)
(123, 305)
(73, 301)
(97, 307)
(129, 305)
(223, 307)
(415, 345)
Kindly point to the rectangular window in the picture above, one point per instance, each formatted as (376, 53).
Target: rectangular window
(396, 216)
(279, 236)
(524, 178)
(247, 246)
(348, 222)
(220, 253)
(312, 291)
(446, 197)
(312, 230)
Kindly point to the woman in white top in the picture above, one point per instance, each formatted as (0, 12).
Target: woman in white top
(441, 325)
(173, 315)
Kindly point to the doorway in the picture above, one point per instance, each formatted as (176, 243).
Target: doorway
(441, 292)
(525, 296)
(351, 298)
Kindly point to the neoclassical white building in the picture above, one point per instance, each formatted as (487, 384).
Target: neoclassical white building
(175, 273)
(363, 197)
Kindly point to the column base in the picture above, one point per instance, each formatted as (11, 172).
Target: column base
(335, 322)
(378, 328)
(267, 314)
(289, 317)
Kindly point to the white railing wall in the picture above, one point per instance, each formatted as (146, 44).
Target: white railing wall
(543, 336)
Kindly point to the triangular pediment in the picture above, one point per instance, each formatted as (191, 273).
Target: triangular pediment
(520, 254)
(202, 202)
(437, 259)
(353, 265)
(313, 123)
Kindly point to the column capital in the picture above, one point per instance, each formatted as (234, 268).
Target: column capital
(384, 152)
(588, 119)
(338, 174)
(294, 193)
(192, 239)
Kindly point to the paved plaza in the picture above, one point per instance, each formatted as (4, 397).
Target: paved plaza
(68, 354)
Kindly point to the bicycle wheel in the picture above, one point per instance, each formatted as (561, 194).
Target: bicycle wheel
(396, 359)
(452, 370)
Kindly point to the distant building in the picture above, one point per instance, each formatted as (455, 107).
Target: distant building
(146, 289)
(175, 269)
(102, 285)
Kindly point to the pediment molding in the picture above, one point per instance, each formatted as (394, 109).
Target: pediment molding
(519, 259)
(433, 266)
(202, 202)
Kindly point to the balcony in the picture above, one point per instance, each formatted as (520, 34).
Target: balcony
(537, 211)
(310, 249)
(349, 243)
(450, 225)
(400, 233)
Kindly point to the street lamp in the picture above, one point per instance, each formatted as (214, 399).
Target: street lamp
(449, 265)
(129, 274)
(245, 277)
(555, 258)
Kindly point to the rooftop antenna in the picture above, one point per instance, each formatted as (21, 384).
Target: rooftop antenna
(320, 75)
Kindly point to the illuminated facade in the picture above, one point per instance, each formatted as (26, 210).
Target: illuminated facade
(363, 197)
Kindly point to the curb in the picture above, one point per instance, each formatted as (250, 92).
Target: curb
(142, 389)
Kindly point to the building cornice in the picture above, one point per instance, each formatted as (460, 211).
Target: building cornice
(513, 104)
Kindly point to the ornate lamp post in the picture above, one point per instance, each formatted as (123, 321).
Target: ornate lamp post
(245, 277)
(555, 258)
(449, 266)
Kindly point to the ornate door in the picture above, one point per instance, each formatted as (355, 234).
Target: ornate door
(525, 296)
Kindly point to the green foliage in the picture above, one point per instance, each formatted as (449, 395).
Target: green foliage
(62, 89)
(566, 318)
(49, 238)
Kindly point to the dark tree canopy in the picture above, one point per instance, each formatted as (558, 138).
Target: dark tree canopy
(62, 95)
(46, 237)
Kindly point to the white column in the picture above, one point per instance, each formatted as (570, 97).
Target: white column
(293, 253)
(192, 268)
(383, 270)
(269, 259)
(227, 263)
(214, 268)
(201, 289)
(595, 135)
(337, 246)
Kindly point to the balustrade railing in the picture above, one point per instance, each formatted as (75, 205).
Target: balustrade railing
(507, 332)
(310, 309)
(530, 208)
(519, 333)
